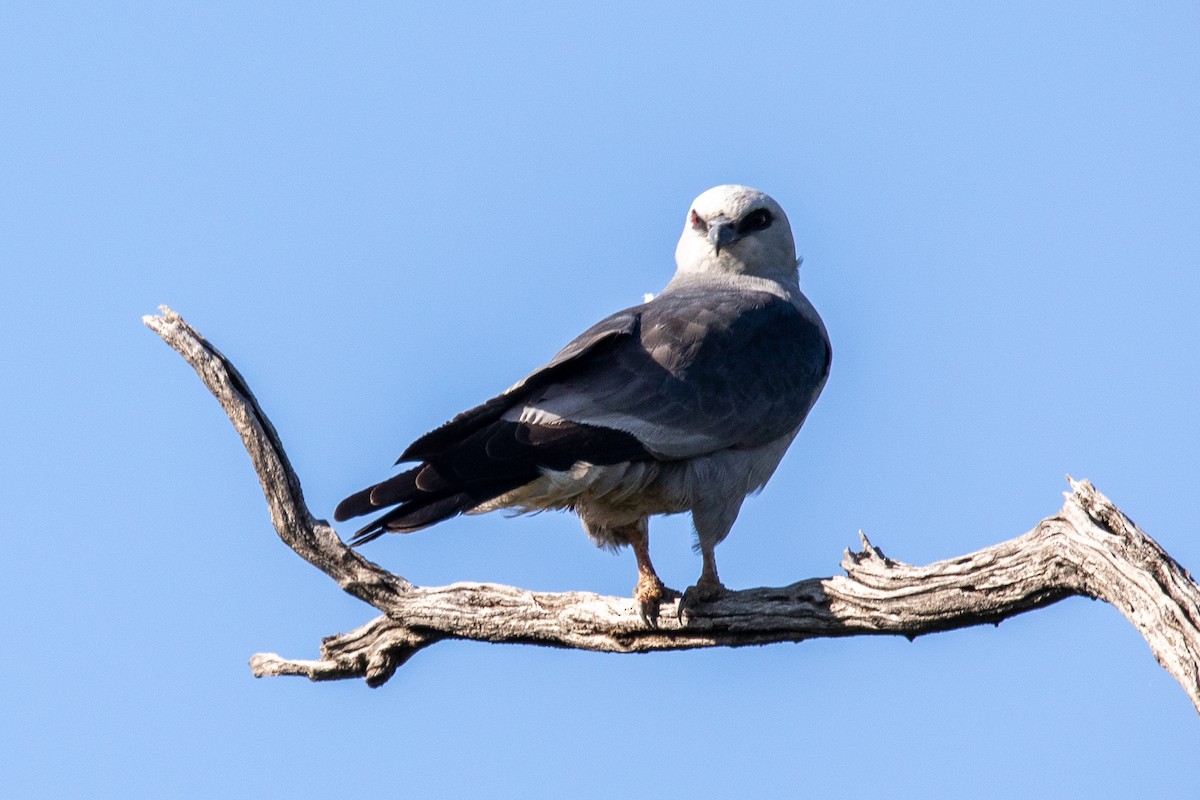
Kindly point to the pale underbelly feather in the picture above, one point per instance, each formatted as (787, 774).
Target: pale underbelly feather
(619, 494)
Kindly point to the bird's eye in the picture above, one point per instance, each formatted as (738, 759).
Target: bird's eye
(756, 221)
(697, 223)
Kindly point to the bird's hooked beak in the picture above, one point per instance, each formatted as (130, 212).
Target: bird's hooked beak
(722, 232)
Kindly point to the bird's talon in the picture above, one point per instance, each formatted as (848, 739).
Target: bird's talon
(649, 594)
(703, 592)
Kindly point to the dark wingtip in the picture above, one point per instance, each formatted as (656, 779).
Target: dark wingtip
(412, 517)
(367, 533)
(396, 489)
(422, 515)
(355, 505)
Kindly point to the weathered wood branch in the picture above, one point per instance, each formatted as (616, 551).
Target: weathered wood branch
(1089, 548)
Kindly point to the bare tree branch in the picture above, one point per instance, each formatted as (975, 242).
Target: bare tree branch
(1089, 548)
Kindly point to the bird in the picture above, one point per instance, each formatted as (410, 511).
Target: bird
(685, 403)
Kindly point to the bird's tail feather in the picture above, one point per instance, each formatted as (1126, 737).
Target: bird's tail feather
(412, 517)
(487, 464)
(396, 489)
(427, 510)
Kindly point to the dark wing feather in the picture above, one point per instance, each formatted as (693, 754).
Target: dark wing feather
(490, 462)
(604, 334)
(412, 517)
(477, 456)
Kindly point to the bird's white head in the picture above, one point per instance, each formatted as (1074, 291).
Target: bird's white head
(736, 230)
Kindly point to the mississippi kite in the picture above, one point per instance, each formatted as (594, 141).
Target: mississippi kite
(684, 403)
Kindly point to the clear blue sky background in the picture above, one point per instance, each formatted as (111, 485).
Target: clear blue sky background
(384, 216)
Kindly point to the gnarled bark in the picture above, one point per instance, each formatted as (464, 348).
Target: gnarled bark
(1088, 548)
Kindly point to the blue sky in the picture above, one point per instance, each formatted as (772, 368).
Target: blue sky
(386, 214)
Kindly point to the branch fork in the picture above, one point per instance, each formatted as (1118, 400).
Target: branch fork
(1089, 548)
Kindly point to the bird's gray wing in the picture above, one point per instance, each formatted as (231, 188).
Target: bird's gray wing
(703, 370)
(609, 332)
(479, 455)
(689, 373)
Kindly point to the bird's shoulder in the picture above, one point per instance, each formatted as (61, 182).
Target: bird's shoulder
(715, 326)
(710, 367)
(693, 342)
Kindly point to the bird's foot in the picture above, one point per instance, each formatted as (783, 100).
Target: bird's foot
(649, 594)
(705, 591)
